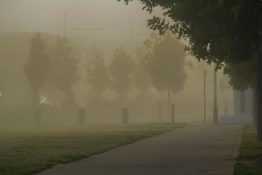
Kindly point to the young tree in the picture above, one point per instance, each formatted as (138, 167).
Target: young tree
(165, 63)
(224, 32)
(121, 68)
(141, 79)
(36, 71)
(97, 73)
(64, 70)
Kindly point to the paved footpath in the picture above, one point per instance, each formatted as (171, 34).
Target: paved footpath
(194, 150)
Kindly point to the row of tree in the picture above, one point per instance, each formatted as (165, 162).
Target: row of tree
(160, 64)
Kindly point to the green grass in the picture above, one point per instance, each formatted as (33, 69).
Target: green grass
(250, 155)
(27, 150)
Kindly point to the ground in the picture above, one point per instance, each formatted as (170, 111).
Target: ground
(194, 150)
(250, 154)
(27, 150)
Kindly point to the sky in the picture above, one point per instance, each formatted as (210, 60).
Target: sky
(122, 25)
(47, 16)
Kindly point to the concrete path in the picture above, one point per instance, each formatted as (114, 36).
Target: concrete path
(194, 150)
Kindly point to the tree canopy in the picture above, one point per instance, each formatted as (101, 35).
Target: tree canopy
(121, 68)
(220, 31)
(165, 62)
(97, 72)
(242, 75)
(64, 69)
(38, 65)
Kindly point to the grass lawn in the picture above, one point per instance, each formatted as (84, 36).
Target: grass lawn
(250, 156)
(27, 150)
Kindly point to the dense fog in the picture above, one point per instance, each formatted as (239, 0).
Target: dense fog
(61, 60)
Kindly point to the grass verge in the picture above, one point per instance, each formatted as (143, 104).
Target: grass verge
(249, 161)
(25, 151)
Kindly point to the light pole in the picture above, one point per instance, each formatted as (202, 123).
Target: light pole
(205, 73)
(215, 110)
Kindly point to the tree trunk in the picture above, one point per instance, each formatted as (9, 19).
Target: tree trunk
(81, 116)
(169, 104)
(254, 90)
(242, 102)
(226, 107)
(36, 108)
(259, 93)
(160, 110)
(173, 113)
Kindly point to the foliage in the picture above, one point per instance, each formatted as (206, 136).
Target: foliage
(38, 65)
(141, 79)
(121, 68)
(64, 69)
(165, 63)
(241, 75)
(97, 72)
(224, 32)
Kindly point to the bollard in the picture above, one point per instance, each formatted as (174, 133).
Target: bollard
(81, 116)
(125, 119)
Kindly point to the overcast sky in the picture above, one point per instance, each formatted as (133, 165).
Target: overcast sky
(47, 15)
(115, 19)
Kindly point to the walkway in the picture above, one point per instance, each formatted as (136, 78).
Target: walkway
(194, 150)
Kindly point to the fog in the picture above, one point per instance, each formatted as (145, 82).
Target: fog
(84, 75)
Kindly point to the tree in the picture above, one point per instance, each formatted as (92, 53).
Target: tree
(64, 70)
(97, 73)
(141, 79)
(36, 71)
(121, 68)
(217, 31)
(165, 63)
(241, 76)
(224, 32)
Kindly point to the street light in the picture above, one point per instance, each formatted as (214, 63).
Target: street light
(215, 110)
(205, 73)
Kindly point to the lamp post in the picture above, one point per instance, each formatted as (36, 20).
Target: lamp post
(215, 110)
(205, 73)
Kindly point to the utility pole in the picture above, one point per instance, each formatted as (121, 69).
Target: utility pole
(205, 73)
(66, 28)
(64, 25)
(215, 110)
(131, 36)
